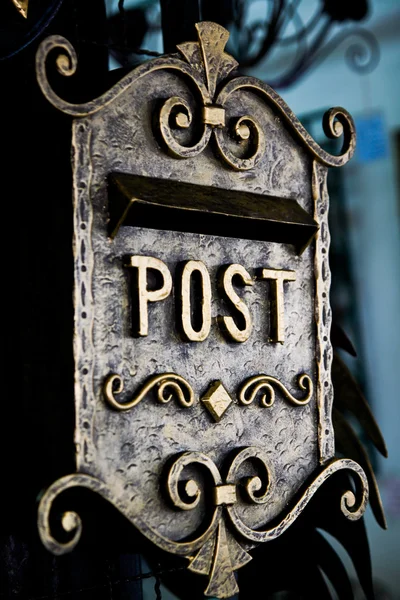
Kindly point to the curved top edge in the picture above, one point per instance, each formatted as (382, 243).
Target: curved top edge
(206, 64)
(337, 122)
(67, 63)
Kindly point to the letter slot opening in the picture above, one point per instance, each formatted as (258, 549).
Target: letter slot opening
(172, 205)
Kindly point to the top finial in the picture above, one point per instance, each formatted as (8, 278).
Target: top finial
(208, 55)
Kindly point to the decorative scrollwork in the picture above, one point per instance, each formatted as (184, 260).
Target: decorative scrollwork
(170, 385)
(70, 521)
(250, 389)
(272, 98)
(191, 487)
(222, 554)
(177, 386)
(247, 131)
(257, 489)
(206, 64)
(348, 503)
(178, 109)
(67, 63)
(210, 562)
(215, 552)
(337, 123)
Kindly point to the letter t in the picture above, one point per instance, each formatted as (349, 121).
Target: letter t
(278, 276)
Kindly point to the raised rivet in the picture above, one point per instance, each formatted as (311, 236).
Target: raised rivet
(182, 120)
(243, 131)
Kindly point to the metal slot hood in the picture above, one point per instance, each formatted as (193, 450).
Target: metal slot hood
(172, 205)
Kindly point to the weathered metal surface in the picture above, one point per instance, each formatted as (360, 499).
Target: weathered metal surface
(203, 392)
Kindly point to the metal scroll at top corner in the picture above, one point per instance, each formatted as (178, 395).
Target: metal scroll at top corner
(206, 64)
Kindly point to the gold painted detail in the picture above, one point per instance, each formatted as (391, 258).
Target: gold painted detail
(225, 494)
(143, 264)
(249, 390)
(22, 7)
(214, 115)
(216, 400)
(277, 277)
(190, 268)
(242, 130)
(206, 65)
(221, 555)
(182, 120)
(176, 385)
(216, 553)
(190, 301)
(227, 290)
(211, 64)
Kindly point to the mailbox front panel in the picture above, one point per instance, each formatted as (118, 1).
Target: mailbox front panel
(202, 356)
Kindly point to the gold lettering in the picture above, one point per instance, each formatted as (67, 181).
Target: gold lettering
(189, 268)
(142, 264)
(278, 276)
(227, 323)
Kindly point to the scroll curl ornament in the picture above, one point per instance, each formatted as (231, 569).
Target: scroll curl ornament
(220, 556)
(244, 129)
(175, 384)
(257, 489)
(253, 386)
(205, 65)
(192, 490)
(178, 110)
(70, 521)
(216, 552)
(351, 507)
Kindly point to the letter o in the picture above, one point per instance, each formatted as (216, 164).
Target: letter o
(189, 268)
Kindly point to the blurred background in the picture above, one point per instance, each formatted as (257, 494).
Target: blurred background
(316, 54)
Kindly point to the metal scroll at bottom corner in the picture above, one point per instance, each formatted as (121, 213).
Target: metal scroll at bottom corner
(219, 551)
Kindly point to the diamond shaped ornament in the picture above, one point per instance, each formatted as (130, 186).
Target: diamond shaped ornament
(216, 400)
